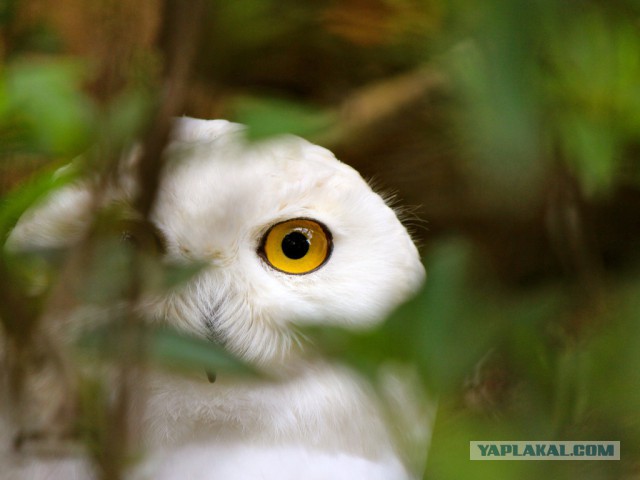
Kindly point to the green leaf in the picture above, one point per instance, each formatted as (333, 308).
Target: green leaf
(444, 330)
(450, 325)
(46, 99)
(172, 348)
(13, 205)
(161, 277)
(267, 117)
(177, 275)
(164, 346)
(125, 117)
(596, 151)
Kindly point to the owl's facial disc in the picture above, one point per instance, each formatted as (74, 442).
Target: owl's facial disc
(297, 246)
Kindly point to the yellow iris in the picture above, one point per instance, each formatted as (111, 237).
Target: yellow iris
(296, 246)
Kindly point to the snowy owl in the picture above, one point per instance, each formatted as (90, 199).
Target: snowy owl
(290, 236)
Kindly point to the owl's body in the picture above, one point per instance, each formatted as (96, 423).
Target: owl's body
(222, 202)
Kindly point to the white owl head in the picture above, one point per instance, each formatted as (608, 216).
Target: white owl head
(288, 233)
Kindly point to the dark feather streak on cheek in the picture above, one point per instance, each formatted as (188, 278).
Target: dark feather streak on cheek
(210, 320)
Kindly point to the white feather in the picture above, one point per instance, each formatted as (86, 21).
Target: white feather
(218, 196)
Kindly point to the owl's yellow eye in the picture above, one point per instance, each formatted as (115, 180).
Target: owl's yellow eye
(296, 246)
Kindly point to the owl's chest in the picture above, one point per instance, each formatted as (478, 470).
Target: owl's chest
(323, 407)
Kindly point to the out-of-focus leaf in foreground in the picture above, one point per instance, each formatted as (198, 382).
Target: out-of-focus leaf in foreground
(445, 329)
(457, 320)
(14, 204)
(171, 348)
(166, 347)
(267, 117)
(497, 81)
(44, 102)
(593, 94)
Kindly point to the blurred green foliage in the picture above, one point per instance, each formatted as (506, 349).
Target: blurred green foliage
(266, 117)
(42, 102)
(534, 87)
(550, 80)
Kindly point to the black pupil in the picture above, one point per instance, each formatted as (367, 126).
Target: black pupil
(295, 245)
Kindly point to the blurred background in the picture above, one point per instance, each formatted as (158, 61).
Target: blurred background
(508, 131)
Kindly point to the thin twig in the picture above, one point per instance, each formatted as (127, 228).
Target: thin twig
(179, 37)
(366, 107)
